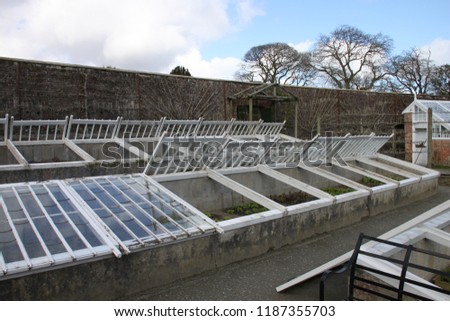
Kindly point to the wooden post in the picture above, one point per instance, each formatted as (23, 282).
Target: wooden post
(296, 119)
(429, 137)
(250, 109)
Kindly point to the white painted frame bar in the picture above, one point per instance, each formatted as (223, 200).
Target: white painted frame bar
(336, 178)
(294, 182)
(4, 270)
(163, 213)
(155, 153)
(425, 170)
(34, 126)
(5, 131)
(19, 242)
(151, 234)
(122, 224)
(187, 218)
(388, 168)
(16, 153)
(79, 151)
(49, 256)
(155, 208)
(52, 224)
(365, 172)
(93, 219)
(245, 191)
(151, 218)
(172, 235)
(69, 220)
(183, 202)
(106, 129)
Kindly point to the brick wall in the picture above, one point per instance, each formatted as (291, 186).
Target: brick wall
(408, 136)
(441, 152)
(40, 90)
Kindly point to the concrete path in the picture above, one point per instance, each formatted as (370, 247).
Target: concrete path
(257, 278)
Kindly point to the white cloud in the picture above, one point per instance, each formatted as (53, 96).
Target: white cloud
(247, 11)
(219, 68)
(303, 46)
(148, 35)
(440, 51)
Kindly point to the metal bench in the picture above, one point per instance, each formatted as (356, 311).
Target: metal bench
(388, 276)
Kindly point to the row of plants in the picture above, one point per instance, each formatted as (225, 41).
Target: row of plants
(337, 190)
(370, 182)
(285, 199)
(292, 198)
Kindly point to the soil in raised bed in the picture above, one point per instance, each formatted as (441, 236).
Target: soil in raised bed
(370, 182)
(337, 190)
(284, 199)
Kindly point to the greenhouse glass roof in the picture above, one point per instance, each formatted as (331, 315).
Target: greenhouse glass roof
(56, 222)
(440, 108)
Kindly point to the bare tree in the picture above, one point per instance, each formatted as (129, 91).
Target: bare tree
(276, 63)
(352, 59)
(178, 98)
(316, 116)
(412, 71)
(440, 80)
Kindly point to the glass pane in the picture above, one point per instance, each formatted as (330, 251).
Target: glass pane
(49, 236)
(117, 229)
(29, 239)
(13, 205)
(85, 229)
(8, 245)
(140, 215)
(30, 204)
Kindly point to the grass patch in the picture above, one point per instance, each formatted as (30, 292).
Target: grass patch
(445, 278)
(370, 182)
(337, 190)
(397, 178)
(235, 211)
(285, 199)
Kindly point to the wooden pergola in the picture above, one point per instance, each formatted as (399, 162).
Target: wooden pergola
(265, 92)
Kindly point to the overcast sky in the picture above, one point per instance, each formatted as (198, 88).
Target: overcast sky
(209, 37)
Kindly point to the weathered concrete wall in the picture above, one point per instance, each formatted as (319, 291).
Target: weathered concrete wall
(48, 153)
(6, 157)
(308, 177)
(39, 90)
(44, 174)
(206, 194)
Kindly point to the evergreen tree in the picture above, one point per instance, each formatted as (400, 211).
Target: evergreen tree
(180, 70)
